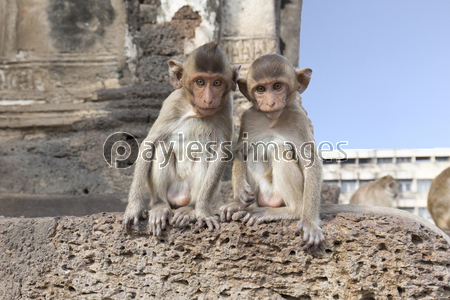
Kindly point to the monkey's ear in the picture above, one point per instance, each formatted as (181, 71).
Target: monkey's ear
(236, 69)
(243, 88)
(176, 72)
(303, 78)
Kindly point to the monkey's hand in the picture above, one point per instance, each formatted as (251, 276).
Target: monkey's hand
(312, 234)
(182, 217)
(245, 194)
(158, 218)
(131, 216)
(229, 210)
(211, 222)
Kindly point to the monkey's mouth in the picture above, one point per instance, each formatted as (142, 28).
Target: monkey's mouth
(273, 114)
(206, 109)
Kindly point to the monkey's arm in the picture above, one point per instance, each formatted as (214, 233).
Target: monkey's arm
(299, 102)
(381, 210)
(309, 220)
(135, 208)
(242, 192)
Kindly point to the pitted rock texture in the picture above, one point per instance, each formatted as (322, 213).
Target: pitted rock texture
(364, 257)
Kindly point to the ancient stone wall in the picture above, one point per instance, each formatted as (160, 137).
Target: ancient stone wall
(74, 72)
(364, 257)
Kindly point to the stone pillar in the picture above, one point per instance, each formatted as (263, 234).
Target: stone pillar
(251, 28)
(290, 23)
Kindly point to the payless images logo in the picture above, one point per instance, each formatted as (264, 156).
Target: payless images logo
(120, 150)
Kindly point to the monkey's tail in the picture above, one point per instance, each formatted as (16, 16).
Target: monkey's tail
(382, 210)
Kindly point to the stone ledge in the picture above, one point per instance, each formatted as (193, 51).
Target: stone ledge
(365, 257)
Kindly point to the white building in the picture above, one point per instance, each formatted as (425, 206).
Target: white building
(414, 169)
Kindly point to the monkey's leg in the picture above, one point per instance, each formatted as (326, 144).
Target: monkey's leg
(243, 194)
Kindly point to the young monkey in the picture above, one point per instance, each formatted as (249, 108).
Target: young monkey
(183, 183)
(276, 165)
(275, 130)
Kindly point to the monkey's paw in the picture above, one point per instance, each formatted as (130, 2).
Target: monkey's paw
(229, 210)
(158, 218)
(256, 216)
(312, 234)
(245, 194)
(182, 217)
(131, 216)
(211, 222)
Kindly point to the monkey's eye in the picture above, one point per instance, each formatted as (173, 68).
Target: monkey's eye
(260, 89)
(217, 83)
(200, 82)
(277, 86)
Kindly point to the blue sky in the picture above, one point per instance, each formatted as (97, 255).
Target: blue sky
(381, 72)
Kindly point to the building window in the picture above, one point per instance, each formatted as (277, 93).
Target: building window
(423, 185)
(348, 161)
(442, 158)
(423, 159)
(384, 160)
(405, 185)
(365, 160)
(348, 186)
(331, 182)
(424, 213)
(408, 209)
(361, 182)
(403, 159)
(329, 161)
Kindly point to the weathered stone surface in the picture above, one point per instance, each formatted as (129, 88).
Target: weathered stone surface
(364, 257)
(56, 47)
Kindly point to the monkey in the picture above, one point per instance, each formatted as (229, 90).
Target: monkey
(280, 188)
(439, 200)
(199, 111)
(380, 192)
(267, 187)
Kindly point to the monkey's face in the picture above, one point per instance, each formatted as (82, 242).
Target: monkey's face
(271, 96)
(208, 93)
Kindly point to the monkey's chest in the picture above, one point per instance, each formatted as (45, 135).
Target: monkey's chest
(271, 149)
(189, 148)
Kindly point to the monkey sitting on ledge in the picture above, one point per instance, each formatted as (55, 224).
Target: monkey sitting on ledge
(283, 181)
(200, 111)
(439, 200)
(381, 192)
